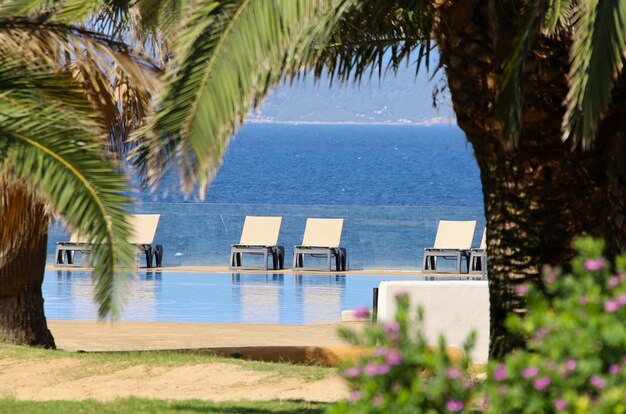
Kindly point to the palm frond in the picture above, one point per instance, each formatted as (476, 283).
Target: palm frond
(597, 56)
(509, 104)
(227, 55)
(377, 33)
(59, 152)
(118, 81)
(162, 16)
(68, 11)
(558, 15)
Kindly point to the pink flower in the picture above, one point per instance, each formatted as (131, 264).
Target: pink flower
(391, 327)
(540, 333)
(611, 306)
(394, 357)
(570, 364)
(613, 281)
(372, 369)
(454, 373)
(499, 374)
(378, 400)
(362, 312)
(550, 277)
(454, 405)
(584, 299)
(560, 404)
(379, 352)
(355, 395)
(530, 372)
(621, 299)
(614, 369)
(522, 289)
(550, 273)
(540, 384)
(352, 372)
(597, 381)
(595, 264)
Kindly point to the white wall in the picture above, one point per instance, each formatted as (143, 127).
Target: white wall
(452, 308)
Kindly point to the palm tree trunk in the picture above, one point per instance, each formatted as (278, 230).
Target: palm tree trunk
(23, 237)
(540, 195)
(536, 202)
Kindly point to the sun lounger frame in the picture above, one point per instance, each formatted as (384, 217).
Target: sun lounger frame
(453, 241)
(478, 257)
(145, 228)
(321, 239)
(259, 236)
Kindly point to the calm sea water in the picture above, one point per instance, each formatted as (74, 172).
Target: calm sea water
(391, 184)
(367, 165)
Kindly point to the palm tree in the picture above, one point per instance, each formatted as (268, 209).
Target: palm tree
(88, 91)
(535, 87)
(523, 76)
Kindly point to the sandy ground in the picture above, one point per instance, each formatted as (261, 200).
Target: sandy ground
(67, 378)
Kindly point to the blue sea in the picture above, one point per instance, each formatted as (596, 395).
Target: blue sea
(391, 184)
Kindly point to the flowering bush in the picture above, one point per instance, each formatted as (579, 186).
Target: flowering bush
(402, 372)
(576, 342)
(575, 361)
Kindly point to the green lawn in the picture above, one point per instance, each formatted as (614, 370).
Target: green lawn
(136, 405)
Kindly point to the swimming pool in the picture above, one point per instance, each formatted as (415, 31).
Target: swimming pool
(217, 297)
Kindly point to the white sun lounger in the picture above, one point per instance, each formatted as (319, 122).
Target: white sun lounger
(144, 226)
(259, 236)
(478, 257)
(321, 239)
(453, 241)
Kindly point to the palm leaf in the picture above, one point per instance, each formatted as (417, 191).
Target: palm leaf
(118, 81)
(59, 152)
(558, 15)
(227, 55)
(376, 36)
(597, 59)
(510, 103)
(68, 11)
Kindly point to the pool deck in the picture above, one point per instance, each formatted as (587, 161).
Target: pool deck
(303, 343)
(225, 269)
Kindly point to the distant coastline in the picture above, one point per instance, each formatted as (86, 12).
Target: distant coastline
(431, 122)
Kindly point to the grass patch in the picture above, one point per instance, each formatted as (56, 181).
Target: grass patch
(107, 362)
(138, 405)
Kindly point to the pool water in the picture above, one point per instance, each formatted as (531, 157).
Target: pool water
(217, 297)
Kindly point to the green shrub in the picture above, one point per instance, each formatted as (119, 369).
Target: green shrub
(575, 361)
(403, 374)
(576, 342)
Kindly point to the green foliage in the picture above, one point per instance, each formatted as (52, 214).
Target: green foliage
(576, 342)
(597, 60)
(575, 360)
(227, 56)
(598, 31)
(59, 152)
(403, 374)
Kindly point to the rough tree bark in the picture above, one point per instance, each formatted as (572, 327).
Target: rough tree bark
(23, 236)
(540, 195)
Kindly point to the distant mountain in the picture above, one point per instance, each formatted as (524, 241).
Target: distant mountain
(400, 98)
